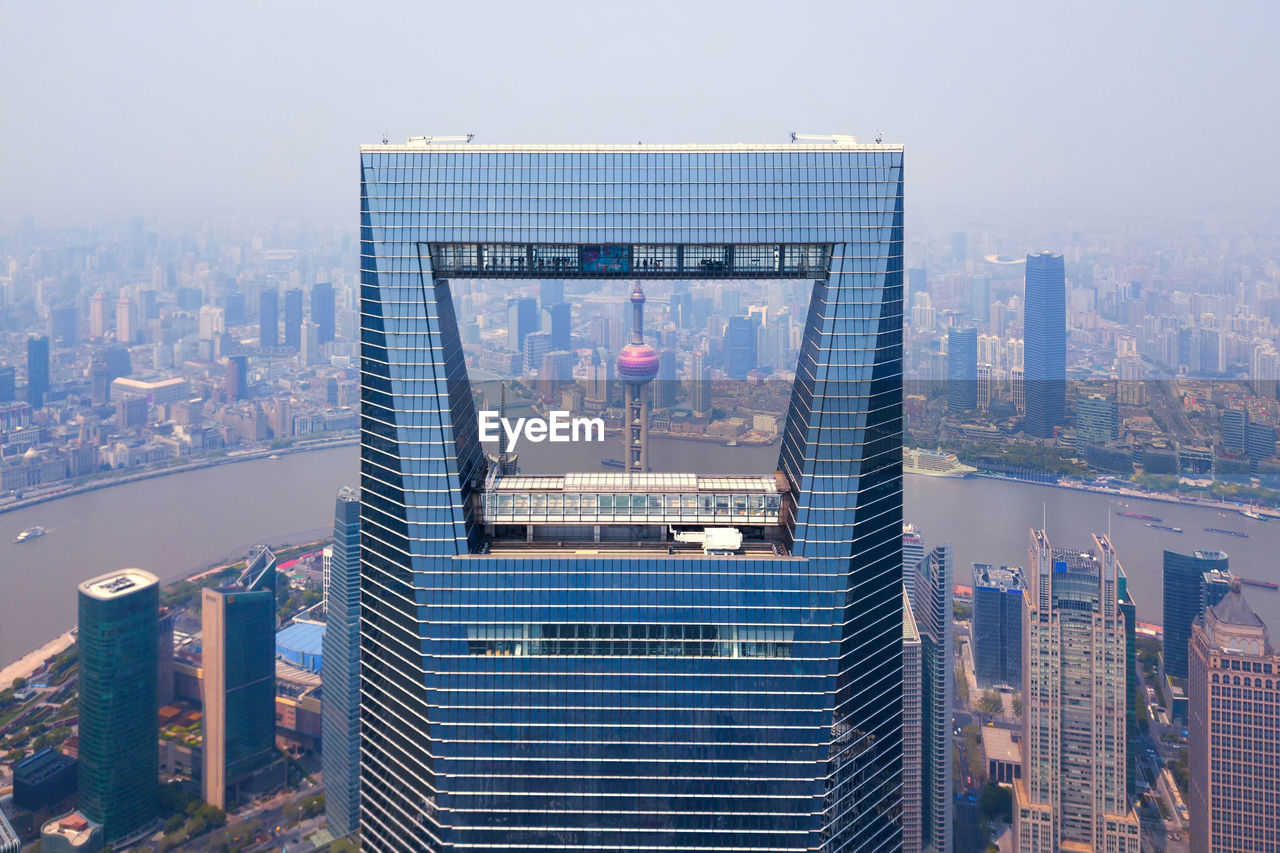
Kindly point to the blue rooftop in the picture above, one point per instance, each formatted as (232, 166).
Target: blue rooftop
(300, 644)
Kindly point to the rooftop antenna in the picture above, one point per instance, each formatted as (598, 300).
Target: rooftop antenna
(385, 140)
(879, 136)
(502, 438)
(1044, 515)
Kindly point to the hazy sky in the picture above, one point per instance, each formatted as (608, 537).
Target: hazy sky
(1065, 111)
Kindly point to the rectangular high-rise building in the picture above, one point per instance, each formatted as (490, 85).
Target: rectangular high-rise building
(931, 608)
(269, 319)
(1073, 794)
(1045, 336)
(293, 318)
(238, 622)
(522, 320)
(686, 678)
(912, 554)
(912, 731)
(997, 624)
(119, 758)
(1183, 598)
(1233, 711)
(700, 393)
(740, 346)
(324, 311)
(38, 383)
(556, 321)
(962, 368)
(340, 670)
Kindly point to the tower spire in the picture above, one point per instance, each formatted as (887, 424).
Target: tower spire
(637, 367)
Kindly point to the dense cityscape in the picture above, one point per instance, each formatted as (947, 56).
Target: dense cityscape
(758, 490)
(135, 354)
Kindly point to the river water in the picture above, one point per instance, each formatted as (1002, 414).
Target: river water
(173, 525)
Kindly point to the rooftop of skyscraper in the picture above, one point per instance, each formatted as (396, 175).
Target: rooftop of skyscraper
(116, 584)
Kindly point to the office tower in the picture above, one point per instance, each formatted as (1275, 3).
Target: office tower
(596, 392)
(239, 624)
(1214, 586)
(1259, 443)
(664, 389)
(293, 318)
(310, 350)
(627, 703)
(62, 326)
(522, 319)
(917, 283)
(912, 554)
(1045, 334)
(555, 320)
(740, 346)
(1234, 422)
(126, 321)
(164, 654)
(1232, 708)
(324, 311)
(962, 369)
(701, 382)
(682, 308)
(340, 670)
(931, 608)
(237, 377)
(119, 732)
(551, 292)
(8, 383)
(147, 305)
(212, 322)
(536, 347)
(189, 298)
(637, 367)
(912, 730)
(37, 370)
(99, 379)
(997, 624)
(959, 247)
(1073, 794)
(269, 319)
(1097, 421)
(232, 305)
(1184, 601)
(99, 305)
(980, 298)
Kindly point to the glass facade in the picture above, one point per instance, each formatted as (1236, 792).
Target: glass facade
(1045, 348)
(340, 671)
(932, 610)
(615, 701)
(238, 623)
(997, 625)
(119, 758)
(1184, 595)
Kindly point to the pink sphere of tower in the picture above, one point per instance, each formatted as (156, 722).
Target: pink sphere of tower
(638, 362)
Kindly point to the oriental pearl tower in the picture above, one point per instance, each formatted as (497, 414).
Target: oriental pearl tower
(637, 367)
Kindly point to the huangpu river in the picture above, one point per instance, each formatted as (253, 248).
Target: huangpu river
(175, 525)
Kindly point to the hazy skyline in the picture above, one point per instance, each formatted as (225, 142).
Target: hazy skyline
(1078, 113)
